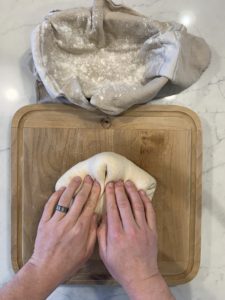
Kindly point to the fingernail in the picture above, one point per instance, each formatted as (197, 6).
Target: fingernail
(88, 178)
(96, 183)
(119, 183)
(110, 184)
(142, 192)
(129, 183)
(62, 188)
(77, 179)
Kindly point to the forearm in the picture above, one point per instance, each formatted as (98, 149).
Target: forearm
(29, 283)
(154, 288)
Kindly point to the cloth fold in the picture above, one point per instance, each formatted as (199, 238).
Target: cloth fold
(110, 57)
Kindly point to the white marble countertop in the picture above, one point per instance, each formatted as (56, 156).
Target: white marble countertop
(206, 97)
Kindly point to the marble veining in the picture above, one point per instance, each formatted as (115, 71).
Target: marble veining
(206, 97)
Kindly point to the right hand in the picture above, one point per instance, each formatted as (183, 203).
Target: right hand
(127, 235)
(66, 241)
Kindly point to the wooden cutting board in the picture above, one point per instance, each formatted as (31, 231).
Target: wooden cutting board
(163, 140)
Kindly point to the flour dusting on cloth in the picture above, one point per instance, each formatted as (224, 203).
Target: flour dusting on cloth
(110, 57)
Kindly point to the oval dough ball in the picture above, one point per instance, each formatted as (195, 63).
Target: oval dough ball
(106, 167)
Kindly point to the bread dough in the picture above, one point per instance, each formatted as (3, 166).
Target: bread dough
(106, 167)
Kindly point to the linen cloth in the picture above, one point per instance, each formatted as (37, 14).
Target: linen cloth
(110, 57)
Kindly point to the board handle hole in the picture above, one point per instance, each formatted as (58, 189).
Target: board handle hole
(106, 122)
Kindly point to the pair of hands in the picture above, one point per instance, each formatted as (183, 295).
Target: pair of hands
(127, 235)
(127, 242)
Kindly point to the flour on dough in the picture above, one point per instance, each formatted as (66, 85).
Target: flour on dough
(106, 167)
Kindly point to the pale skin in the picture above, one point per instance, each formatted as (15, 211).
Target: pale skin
(127, 239)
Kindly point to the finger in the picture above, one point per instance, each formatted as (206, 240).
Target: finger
(91, 203)
(136, 203)
(102, 236)
(113, 217)
(80, 200)
(88, 209)
(124, 207)
(67, 196)
(49, 208)
(92, 236)
(149, 210)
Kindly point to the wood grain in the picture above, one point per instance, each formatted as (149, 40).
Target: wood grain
(163, 140)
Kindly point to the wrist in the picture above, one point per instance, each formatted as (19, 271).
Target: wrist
(138, 284)
(153, 287)
(37, 280)
(29, 283)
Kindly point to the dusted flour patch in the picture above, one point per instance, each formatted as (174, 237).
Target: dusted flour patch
(110, 57)
(98, 69)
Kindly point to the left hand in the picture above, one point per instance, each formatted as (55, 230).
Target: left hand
(64, 242)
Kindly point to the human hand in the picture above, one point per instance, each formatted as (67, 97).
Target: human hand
(128, 242)
(128, 237)
(64, 242)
